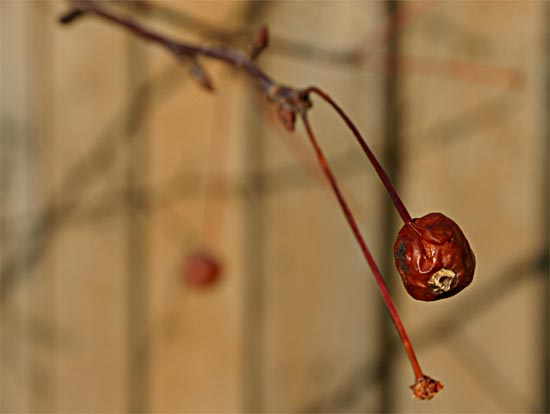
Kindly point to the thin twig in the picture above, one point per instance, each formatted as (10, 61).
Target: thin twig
(365, 250)
(365, 54)
(290, 102)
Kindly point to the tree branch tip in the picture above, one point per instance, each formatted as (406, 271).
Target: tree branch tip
(199, 74)
(71, 16)
(260, 42)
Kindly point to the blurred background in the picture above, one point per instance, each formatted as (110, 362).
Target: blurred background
(116, 166)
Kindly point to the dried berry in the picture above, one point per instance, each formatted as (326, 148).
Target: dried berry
(202, 270)
(433, 257)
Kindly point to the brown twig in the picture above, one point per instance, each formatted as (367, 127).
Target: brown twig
(290, 103)
(424, 387)
(366, 54)
(236, 58)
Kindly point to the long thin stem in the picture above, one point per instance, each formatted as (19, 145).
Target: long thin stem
(241, 61)
(290, 102)
(403, 212)
(365, 250)
(300, 151)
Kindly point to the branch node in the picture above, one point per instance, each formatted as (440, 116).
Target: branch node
(287, 116)
(290, 102)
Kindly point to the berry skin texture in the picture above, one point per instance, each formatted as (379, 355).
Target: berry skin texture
(433, 257)
(202, 270)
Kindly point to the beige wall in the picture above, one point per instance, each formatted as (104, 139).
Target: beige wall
(105, 155)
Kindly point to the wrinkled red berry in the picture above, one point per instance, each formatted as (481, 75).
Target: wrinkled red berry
(202, 270)
(433, 257)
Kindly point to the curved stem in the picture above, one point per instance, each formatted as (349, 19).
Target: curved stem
(403, 212)
(365, 250)
(291, 102)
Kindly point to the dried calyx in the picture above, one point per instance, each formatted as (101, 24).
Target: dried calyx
(442, 280)
(425, 388)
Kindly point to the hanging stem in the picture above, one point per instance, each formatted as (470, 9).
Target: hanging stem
(366, 252)
(290, 102)
(403, 212)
